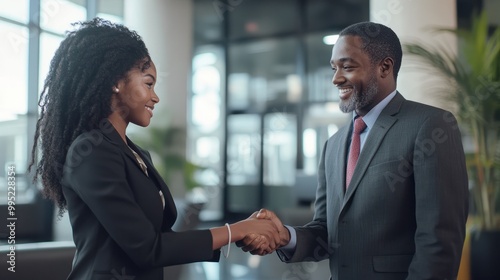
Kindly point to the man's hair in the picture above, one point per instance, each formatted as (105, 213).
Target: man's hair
(379, 42)
(77, 92)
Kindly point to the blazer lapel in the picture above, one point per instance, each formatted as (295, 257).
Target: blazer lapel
(169, 200)
(155, 176)
(110, 132)
(384, 122)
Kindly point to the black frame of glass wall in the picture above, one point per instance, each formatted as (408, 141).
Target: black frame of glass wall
(268, 96)
(220, 26)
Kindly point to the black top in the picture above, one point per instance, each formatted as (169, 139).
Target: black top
(120, 228)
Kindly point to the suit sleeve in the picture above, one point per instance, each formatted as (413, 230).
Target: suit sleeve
(441, 199)
(99, 178)
(312, 238)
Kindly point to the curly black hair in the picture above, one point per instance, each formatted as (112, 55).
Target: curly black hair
(379, 42)
(77, 92)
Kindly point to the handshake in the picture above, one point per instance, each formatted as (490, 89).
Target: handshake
(263, 233)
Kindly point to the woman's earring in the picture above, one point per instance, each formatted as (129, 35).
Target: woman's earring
(115, 89)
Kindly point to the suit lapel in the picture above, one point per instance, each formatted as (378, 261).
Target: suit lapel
(155, 176)
(343, 149)
(384, 122)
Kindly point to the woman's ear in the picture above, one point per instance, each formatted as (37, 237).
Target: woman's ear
(386, 67)
(119, 85)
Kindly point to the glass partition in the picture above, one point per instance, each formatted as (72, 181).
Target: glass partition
(243, 149)
(280, 135)
(280, 159)
(320, 74)
(263, 73)
(258, 18)
(328, 14)
(243, 162)
(320, 121)
(280, 104)
(205, 125)
(208, 21)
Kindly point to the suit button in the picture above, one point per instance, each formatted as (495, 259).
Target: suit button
(343, 265)
(344, 221)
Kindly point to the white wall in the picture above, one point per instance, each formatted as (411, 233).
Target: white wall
(166, 28)
(414, 21)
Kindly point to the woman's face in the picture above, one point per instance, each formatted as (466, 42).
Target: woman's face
(136, 95)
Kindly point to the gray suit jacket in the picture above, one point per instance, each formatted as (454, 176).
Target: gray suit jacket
(404, 213)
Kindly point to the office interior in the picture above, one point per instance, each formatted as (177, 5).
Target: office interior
(245, 83)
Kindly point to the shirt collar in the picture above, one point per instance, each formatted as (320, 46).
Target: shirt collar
(371, 117)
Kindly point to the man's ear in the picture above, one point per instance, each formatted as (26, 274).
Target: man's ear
(386, 67)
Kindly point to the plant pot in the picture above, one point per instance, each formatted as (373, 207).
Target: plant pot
(485, 254)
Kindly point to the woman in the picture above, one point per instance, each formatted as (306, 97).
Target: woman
(100, 80)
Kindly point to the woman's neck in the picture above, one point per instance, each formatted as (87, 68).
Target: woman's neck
(119, 124)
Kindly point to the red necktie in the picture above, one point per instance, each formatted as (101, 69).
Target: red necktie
(359, 126)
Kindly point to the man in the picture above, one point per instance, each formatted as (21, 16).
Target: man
(396, 209)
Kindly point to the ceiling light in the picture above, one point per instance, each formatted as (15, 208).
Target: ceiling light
(330, 39)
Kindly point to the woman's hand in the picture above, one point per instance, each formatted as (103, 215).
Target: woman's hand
(256, 244)
(263, 233)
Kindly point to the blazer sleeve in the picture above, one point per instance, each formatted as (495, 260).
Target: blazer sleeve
(99, 178)
(441, 199)
(312, 238)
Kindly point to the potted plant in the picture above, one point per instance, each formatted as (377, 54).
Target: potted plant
(167, 146)
(474, 86)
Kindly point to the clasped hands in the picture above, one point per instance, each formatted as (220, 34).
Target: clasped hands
(266, 233)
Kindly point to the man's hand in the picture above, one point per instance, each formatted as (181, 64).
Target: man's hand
(283, 231)
(259, 245)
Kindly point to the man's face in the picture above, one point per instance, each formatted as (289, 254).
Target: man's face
(354, 75)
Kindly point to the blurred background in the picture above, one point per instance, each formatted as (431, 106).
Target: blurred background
(246, 103)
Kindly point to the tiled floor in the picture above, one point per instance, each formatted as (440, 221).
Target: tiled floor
(243, 266)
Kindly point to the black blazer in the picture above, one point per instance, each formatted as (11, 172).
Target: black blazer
(119, 226)
(404, 213)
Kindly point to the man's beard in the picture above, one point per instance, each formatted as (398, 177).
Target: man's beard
(358, 99)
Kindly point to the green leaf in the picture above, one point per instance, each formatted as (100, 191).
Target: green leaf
(474, 79)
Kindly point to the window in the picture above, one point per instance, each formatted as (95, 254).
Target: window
(14, 73)
(32, 31)
(17, 12)
(57, 16)
(13, 104)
